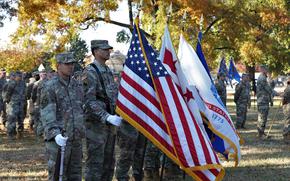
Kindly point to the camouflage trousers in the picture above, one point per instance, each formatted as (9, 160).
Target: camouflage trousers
(286, 130)
(15, 113)
(72, 160)
(172, 172)
(241, 115)
(37, 127)
(100, 144)
(151, 162)
(3, 112)
(263, 111)
(131, 144)
(30, 113)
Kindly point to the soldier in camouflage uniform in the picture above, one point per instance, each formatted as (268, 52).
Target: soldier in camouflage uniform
(61, 113)
(221, 87)
(132, 145)
(264, 98)
(13, 96)
(29, 87)
(286, 111)
(2, 104)
(172, 172)
(100, 97)
(35, 96)
(242, 98)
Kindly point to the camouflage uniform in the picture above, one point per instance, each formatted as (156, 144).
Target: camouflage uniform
(61, 111)
(30, 102)
(13, 96)
(99, 105)
(35, 95)
(264, 97)
(151, 162)
(286, 111)
(172, 172)
(222, 90)
(242, 99)
(131, 144)
(2, 104)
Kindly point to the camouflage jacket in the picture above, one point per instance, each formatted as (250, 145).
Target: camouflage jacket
(264, 91)
(61, 108)
(242, 93)
(286, 95)
(221, 89)
(14, 91)
(99, 103)
(36, 91)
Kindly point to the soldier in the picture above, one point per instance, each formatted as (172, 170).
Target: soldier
(242, 98)
(35, 96)
(132, 145)
(100, 97)
(13, 96)
(2, 104)
(286, 111)
(61, 113)
(264, 97)
(221, 87)
(30, 84)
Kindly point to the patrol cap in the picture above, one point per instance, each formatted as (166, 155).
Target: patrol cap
(101, 44)
(18, 73)
(265, 67)
(12, 74)
(66, 57)
(3, 70)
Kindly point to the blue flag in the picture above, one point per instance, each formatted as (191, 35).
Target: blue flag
(201, 55)
(223, 67)
(233, 73)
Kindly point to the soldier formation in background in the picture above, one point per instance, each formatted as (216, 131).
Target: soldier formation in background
(78, 103)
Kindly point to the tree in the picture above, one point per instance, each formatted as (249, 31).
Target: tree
(253, 32)
(79, 48)
(6, 10)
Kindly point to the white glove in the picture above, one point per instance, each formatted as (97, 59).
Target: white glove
(114, 120)
(60, 140)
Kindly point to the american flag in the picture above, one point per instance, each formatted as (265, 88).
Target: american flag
(150, 101)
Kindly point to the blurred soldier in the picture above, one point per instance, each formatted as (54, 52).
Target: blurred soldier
(151, 162)
(2, 104)
(242, 98)
(132, 145)
(61, 113)
(30, 84)
(172, 172)
(13, 96)
(221, 87)
(264, 98)
(100, 97)
(286, 111)
(35, 96)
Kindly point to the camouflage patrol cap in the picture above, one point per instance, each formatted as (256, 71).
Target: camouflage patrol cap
(18, 73)
(66, 57)
(102, 44)
(265, 67)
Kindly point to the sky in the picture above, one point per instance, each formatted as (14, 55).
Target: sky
(104, 30)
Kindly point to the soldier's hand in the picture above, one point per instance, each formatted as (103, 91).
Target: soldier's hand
(60, 140)
(271, 104)
(114, 120)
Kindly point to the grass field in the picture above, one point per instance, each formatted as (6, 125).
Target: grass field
(262, 160)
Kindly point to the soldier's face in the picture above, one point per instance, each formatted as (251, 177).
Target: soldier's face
(2, 74)
(65, 69)
(103, 54)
